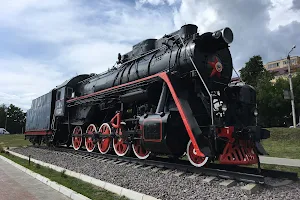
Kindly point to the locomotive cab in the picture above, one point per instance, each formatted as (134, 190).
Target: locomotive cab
(62, 95)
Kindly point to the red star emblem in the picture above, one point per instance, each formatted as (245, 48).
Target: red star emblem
(217, 67)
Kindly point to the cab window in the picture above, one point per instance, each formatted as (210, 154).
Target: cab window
(58, 95)
(69, 92)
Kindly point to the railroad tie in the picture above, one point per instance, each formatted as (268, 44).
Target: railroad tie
(155, 169)
(178, 174)
(148, 167)
(193, 176)
(228, 183)
(209, 179)
(250, 188)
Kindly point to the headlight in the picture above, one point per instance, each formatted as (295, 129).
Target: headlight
(255, 112)
(224, 107)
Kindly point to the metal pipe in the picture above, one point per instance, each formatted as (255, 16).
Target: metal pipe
(291, 87)
(5, 118)
(237, 74)
(210, 96)
(162, 99)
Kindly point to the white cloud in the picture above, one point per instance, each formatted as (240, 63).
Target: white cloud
(93, 57)
(23, 80)
(197, 12)
(157, 2)
(76, 37)
(281, 14)
(259, 27)
(83, 38)
(52, 21)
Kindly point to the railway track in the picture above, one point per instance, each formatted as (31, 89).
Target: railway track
(243, 174)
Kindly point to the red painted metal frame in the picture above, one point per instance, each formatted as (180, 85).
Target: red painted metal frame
(38, 132)
(239, 153)
(118, 118)
(165, 77)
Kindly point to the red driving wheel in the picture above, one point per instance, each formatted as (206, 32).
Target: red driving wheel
(89, 145)
(77, 140)
(119, 145)
(194, 159)
(104, 143)
(139, 150)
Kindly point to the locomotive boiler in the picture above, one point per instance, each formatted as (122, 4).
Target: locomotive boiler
(169, 96)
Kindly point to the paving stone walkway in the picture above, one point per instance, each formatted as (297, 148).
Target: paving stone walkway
(15, 184)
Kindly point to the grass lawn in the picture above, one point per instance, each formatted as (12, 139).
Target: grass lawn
(283, 143)
(13, 140)
(77, 185)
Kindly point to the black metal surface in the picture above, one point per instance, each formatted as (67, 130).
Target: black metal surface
(171, 55)
(39, 115)
(109, 94)
(244, 174)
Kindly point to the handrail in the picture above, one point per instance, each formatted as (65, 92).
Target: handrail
(210, 96)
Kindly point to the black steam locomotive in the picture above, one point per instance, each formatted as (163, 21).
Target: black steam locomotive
(169, 96)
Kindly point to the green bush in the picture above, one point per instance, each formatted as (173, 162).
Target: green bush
(63, 174)
(1, 149)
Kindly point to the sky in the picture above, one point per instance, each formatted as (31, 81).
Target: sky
(44, 43)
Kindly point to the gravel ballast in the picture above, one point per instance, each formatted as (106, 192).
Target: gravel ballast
(157, 184)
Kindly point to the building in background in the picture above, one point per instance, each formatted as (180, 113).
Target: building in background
(280, 67)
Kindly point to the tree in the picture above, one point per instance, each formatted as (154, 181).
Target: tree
(2, 115)
(254, 71)
(274, 109)
(296, 88)
(14, 118)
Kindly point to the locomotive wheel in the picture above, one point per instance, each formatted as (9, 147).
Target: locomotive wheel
(104, 143)
(89, 145)
(139, 151)
(194, 159)
(77, 141)
(119, 145)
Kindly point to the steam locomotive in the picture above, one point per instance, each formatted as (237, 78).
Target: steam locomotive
(169, 96)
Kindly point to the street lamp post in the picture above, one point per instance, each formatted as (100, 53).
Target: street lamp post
(291, 87)
(5, 118)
